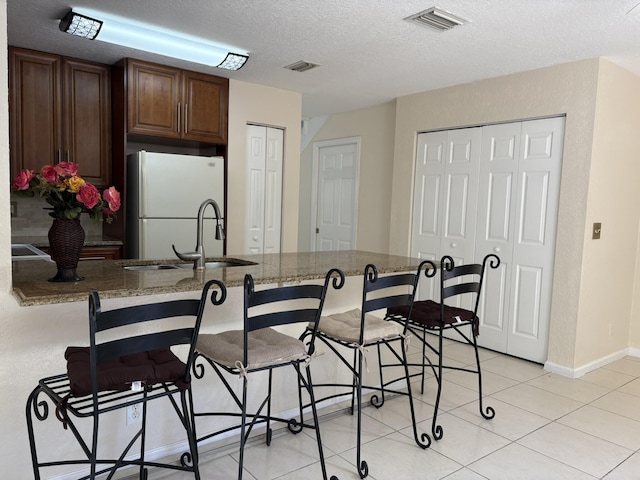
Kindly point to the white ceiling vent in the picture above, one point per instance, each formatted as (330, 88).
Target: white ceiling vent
(436, 18)
(302, 66)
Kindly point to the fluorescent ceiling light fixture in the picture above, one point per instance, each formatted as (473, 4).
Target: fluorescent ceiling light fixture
(119, 31)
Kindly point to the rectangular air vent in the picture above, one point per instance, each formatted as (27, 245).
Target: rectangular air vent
(436, 18)
(301, 66)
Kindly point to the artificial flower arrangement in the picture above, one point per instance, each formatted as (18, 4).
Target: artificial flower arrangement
(68, 193)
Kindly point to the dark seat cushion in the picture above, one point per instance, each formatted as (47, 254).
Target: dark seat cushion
(427, 313)
(154, 366)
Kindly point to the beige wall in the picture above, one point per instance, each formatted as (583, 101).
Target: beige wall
(375, 126)
(597, 134)
(256, 104)
(609, 264)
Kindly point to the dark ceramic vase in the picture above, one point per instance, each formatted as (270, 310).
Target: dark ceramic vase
(66, 238)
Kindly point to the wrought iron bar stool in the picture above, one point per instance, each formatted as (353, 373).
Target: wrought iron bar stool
(360, 329)
(121, 370)
(259, 347)
(430, 317)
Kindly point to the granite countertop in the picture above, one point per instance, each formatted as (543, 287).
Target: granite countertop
(30, 285)
(40, 241)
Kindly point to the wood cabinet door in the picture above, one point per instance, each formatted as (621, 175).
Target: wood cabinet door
(87, 119)
(35, 125)
(153, 100)
(205, 108)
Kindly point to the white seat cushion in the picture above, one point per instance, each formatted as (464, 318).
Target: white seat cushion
(266, 347)
(345, 326)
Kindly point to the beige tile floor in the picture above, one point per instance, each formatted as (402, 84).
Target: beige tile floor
(546, 427)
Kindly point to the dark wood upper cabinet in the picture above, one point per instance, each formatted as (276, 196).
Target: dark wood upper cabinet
(176, 104)
(60, 110)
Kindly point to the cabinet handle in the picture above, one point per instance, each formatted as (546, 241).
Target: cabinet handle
(186, 118)
(179, 117)
(454, 245)
(496, 249)
(67, 155)
(59, 156)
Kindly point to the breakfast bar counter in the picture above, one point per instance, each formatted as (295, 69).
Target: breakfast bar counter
(112, 280)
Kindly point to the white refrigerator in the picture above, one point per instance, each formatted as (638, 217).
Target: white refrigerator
(164, 192)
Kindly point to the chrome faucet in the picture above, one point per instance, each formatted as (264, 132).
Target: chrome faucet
(198, 257)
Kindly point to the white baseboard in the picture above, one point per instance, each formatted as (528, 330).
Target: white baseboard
(584, 369)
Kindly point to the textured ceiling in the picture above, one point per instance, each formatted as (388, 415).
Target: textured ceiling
(367, 52)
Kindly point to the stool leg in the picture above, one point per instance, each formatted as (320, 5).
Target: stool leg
(269, 409)
(32, 406)
(243, 426)
(309, 386)
(423, 441)
(186, 398)
(490, 412)
(363, 468)
(436, 429)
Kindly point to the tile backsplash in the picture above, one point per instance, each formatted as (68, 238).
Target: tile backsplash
(33, 220)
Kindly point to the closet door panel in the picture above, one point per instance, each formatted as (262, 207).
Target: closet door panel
(460, 194)
(426, 221)
(495, 228)
(534, 246)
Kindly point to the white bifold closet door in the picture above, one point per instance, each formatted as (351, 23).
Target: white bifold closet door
(263, 217)
(514, 215)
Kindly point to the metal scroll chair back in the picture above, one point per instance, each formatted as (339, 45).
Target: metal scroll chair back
(452, 314)
(124, 369)
(360, 329)
(261, 346)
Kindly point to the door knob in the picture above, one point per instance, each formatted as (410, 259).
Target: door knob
(255, 239)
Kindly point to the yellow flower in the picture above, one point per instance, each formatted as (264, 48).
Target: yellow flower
(74, 184)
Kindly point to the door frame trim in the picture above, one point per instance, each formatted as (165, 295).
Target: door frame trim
(314, 184)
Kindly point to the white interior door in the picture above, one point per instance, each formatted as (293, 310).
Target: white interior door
(336, 193)
(496, 193)
(445, 192)
(460, 194)
(264, 189)
(495, 227)
(273, 190)
(517, 213)
(542, 143)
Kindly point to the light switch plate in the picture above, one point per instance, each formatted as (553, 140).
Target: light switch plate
(597, 228)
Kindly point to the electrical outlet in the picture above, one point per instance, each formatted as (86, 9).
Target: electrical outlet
(134, 413)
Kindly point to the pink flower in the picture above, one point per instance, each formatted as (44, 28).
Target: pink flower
(66, 169)
(112, 197)
(89, 195)
(50, 174)
(22, 180)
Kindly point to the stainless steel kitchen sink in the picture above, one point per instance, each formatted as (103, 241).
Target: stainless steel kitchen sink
(222, 263)
(144, 268)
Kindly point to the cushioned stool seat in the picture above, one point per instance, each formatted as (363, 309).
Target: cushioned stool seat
(345, 327)
(149, 368)
(266, 347)
(427, 313)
